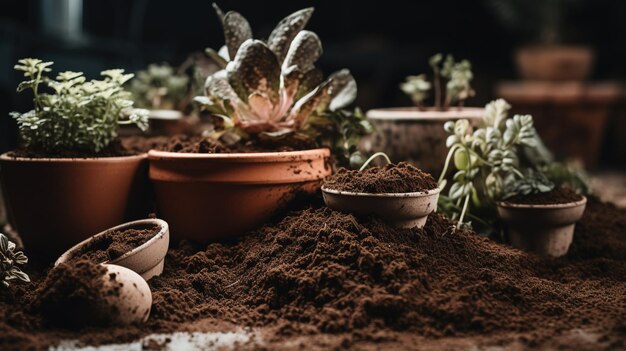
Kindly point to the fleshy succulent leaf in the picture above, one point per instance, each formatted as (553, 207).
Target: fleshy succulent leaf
(236, 29)
(342, 89)
(281, 37)
(255, 69)
(309, 81)
(304, 51)
(303, 108)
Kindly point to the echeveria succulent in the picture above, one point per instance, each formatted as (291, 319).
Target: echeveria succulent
(273, 86)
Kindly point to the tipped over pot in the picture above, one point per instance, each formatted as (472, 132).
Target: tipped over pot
(139, 245)
(545, 229)
(208, 197)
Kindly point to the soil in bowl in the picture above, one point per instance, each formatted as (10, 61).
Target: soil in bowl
(330, 280)
(115, 243)
(393, 178)
(555, 196)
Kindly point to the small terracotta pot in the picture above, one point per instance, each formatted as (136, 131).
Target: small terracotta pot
(146, 260)
(543, 229)
(56, 203)
(416, 136)
(207, 197)
(554, 62)
(166, 122)
(404, 210)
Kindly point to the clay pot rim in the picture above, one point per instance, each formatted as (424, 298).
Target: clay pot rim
(165, 114)
(280, 156)
(429, 114)
(505, 204)
(383, 195)
(5, 157)
(163, 227)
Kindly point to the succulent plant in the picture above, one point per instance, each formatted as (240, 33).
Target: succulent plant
(9, 262)
(458, 76)
(272, 87)
(159, 87)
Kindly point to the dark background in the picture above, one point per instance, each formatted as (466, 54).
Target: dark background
(379, 41)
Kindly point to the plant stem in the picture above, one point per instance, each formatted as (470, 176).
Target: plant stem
(437, 82)
(384, 155)
(447, 164)
(460, 222)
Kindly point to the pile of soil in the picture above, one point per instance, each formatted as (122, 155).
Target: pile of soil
(71, 295)
(557, 195)
(319, 272)
(115, 149)
(392, 178)
(114, 243)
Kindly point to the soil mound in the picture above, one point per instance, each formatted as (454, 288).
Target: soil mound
(115, 243)
(554, 196)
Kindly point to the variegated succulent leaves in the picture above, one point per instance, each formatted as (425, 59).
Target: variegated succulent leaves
(272, 86)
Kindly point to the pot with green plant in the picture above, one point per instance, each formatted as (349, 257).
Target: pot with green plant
(276, 120)
(166, 93)
(503, 167)
(547, 26)
(400, 194)
(71, 178)
(415, 134)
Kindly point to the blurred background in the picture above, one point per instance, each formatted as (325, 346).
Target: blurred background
(576, 89)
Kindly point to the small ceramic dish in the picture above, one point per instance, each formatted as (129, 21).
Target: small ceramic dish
(146, 260)
(404, 210)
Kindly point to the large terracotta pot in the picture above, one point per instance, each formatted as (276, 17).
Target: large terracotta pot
(54, 203)
(543, 229)
(208, 197)
(554, 62)
(417, 136)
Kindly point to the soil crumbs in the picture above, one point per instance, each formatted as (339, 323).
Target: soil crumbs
(114, 243)
(392, 178)
(321, 279)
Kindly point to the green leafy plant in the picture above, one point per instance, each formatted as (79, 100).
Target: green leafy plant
(160, 86)
(9, 262)
(457, 77)
(503, 158)
(271, 90)
(76, 114)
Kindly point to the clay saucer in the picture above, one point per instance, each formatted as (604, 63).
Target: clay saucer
(404, 210)
(147, 260)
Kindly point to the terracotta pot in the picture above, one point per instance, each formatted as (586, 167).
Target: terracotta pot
(404, 210)
(166, 122)
(554, 63)
(146, 260)
(208, 197)
(543, 229)
(56, 203)
(415, 136)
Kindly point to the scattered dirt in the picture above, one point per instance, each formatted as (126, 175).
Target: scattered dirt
(204, 145)
(555, 196)
(115, 149)
(393, 178)
(339, 281)
(115, 243)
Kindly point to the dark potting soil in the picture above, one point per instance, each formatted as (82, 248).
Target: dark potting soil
(69, 291)
(115, 149)
(115, 243)
(320, 272)
(205, 145)
(393, 178)
(554, 196)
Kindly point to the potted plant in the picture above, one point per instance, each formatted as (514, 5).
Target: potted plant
(401, 194)
(545, 24)
(71, 178)
(503, 165)
(273, 111)
(415, 134)
(166, 93)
